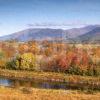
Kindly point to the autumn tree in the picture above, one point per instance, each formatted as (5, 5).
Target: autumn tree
(23, 48)
(27, 62)
(33, 48)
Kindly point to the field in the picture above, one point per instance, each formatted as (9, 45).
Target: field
(43, 94)
(51, 76)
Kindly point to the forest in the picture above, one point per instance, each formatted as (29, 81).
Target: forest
(48, 56)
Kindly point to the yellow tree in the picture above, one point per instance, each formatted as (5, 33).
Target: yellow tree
(27, 61)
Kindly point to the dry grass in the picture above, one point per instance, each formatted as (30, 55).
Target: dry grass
(43, 94)
(46, 76)
(51, 76)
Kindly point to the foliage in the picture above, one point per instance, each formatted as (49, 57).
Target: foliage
(11, 64)
(1, 55)
(75, 70)
(27, 61)
(51, 56)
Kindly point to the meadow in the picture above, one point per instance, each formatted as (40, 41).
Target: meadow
(44, 94)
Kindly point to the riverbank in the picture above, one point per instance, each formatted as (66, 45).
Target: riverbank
(45, 94)
(73, 80)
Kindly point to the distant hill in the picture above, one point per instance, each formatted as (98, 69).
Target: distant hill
(37, 34)
(75, 32)
(89, 34)
(92, 36)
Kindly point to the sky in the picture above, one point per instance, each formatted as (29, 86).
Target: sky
(16, 15)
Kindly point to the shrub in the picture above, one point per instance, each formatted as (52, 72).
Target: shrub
(74, 70)
(11, 64)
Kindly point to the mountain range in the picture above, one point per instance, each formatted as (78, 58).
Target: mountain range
(87, 34)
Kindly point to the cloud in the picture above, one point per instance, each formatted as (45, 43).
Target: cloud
(76, 23)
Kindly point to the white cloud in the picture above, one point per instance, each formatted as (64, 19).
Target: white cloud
(57, 25)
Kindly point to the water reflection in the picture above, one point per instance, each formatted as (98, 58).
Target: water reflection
(5, 82)
(42, 84)
(35, 84)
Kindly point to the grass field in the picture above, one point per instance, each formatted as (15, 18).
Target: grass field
(51, 76)
(44, 94)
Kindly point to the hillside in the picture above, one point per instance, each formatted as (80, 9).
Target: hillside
(91, 37)
(86, 34)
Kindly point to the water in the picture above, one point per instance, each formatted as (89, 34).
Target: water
(36, 84)
(16, 83)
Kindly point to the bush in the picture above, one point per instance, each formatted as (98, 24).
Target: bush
(11, 64)
(93, 71)
(26, 61)
(74, 70)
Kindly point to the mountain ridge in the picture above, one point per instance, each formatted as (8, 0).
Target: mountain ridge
(74, 34)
